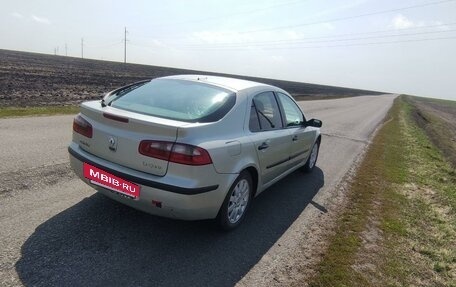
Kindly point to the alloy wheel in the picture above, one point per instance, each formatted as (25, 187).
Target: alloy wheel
(313, 155)
(238, 201)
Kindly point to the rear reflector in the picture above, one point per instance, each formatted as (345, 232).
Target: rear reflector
(83, 127)
(115, 118)
(175, 152)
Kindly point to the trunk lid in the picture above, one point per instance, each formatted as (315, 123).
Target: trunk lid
(118, 133)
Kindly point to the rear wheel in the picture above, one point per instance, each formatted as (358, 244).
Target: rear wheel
(312, 160)
(236, 203)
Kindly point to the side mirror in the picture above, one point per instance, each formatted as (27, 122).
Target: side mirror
(314, 123)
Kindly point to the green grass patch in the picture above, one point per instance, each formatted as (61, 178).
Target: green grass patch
(8, 112)
(399, 228)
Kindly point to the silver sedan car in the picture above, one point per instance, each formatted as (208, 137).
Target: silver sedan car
(192, 147)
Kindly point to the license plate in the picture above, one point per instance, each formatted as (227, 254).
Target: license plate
(105, 179)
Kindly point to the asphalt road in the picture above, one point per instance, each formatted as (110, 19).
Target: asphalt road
(56, 231)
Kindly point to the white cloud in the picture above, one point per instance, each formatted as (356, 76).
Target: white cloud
(41, 20)
(17, 15)
(402, 22)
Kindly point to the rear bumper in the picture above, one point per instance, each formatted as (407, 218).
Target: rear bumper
(201, 201)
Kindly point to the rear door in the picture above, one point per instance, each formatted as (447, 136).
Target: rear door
(271, 140)
(302, 137)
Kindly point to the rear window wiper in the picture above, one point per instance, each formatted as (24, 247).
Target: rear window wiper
(121, 91)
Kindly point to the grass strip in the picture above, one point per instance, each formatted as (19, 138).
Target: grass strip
(8, 112)
(399, 228)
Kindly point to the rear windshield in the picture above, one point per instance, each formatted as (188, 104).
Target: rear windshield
(177, 100)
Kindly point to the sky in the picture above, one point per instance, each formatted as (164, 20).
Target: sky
(393, 46)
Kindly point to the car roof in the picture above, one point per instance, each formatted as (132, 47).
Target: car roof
(226, 82)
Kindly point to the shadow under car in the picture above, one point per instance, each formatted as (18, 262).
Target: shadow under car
(99, 242)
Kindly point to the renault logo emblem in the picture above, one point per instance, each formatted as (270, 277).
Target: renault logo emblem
(112, 143)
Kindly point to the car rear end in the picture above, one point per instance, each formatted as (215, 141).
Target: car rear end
(128, 148)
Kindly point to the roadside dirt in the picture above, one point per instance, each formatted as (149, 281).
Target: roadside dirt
(34, 178)
(30, 79)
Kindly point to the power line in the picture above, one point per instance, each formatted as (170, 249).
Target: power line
(346, 18)
(295, 42)
(379, 43)
(344, 45)
(125, 46)
(331, 19)
(314, 46)
(332, 36)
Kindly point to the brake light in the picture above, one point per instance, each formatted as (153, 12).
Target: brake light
(175, 152)
(190, 155)
(115, 118)
(83, 127)
(157, 149)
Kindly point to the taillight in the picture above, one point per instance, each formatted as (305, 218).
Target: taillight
(83, 127)
(188, 154)
(160, 150)
(175, 152)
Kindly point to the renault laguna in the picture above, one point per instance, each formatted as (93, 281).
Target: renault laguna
(192, 147)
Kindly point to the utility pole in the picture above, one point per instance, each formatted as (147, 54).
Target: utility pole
(125, 46)
(55, 51)
(82, 48)
(66, 50)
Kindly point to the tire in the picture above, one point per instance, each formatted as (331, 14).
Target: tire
(236, 203)
(312, 160)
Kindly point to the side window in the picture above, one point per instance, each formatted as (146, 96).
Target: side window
(264, 113)
(293, 114)
(254, 124)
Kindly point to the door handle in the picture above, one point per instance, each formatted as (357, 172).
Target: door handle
(295, 138)
(263, 146)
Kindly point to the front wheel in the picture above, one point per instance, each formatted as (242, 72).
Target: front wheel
(312, 160)
(236, 203)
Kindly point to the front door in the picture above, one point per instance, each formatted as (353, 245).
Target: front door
(302, 137)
